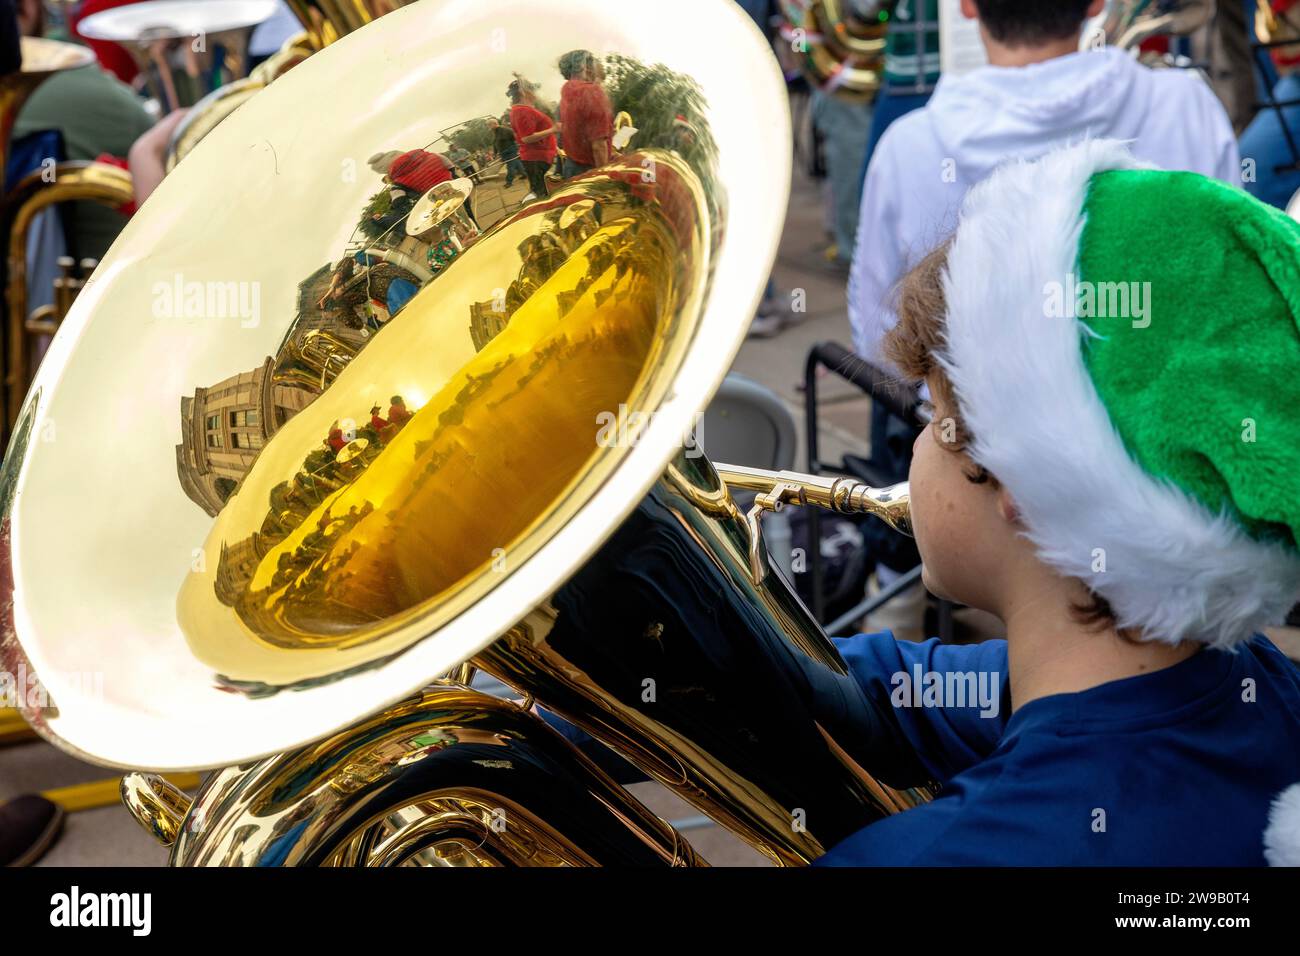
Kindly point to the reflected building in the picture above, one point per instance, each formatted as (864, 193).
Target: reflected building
(224, 426)
(236, 566)
(486, 322)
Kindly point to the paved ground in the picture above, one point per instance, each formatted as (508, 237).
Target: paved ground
(778, 363)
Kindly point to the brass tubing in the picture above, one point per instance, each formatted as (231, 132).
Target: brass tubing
(832, 492)
(96, 182)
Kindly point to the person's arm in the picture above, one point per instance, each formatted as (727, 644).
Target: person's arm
(946, 704)
(878, 717)
(147, 157)
(603, 129)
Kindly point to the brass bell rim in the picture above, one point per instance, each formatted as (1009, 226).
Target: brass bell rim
(217, 728)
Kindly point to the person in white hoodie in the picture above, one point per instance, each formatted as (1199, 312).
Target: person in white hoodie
(1038, 92)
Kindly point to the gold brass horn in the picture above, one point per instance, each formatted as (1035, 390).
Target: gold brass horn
(838, 44)
(1130, 22)
(29, 329)
(337, 472)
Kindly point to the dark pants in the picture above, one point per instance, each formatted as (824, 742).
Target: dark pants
(535, 170)
(513, 168)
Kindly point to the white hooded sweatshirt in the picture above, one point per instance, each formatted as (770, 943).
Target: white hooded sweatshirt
(928, 159)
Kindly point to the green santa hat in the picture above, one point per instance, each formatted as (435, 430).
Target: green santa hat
(1123, 345)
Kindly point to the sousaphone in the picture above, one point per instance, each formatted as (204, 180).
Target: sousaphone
(279, 487)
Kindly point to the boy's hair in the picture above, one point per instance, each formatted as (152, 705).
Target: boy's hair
(1032, 22)
(922, 309)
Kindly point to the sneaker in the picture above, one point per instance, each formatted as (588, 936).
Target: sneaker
(766, 325)
(529, 198)
(773, 318)
(29, 825)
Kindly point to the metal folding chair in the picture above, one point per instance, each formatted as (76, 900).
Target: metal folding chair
(900, 403)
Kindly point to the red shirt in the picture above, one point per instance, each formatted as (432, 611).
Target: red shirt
(418, 170)
(586, 116)
(525, 121)
(112, 56)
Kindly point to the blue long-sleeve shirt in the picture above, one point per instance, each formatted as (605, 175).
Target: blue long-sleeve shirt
(1173, 768)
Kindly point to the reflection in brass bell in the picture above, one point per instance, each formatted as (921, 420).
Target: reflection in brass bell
(240, 556)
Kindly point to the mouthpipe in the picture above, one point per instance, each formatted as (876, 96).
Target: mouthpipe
(834, 493)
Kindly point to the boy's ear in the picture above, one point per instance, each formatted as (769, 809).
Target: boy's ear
(1007, 507)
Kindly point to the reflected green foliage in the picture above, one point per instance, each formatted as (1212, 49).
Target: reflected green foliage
(656, 97)
(474, 136)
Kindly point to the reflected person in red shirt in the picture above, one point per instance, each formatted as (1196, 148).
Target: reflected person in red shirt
(586, 117)
(416, 169)
(398, 413)
(534, 132)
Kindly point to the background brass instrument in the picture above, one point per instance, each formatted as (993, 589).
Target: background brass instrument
(64, 182)
(1271, 27)
(526, 500)
(175, 42)
(30, 330)
(1129, 22)
(323, 23)
(839, 45)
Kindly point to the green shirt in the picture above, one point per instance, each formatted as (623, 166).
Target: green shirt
(902, 65)
(96, 113)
